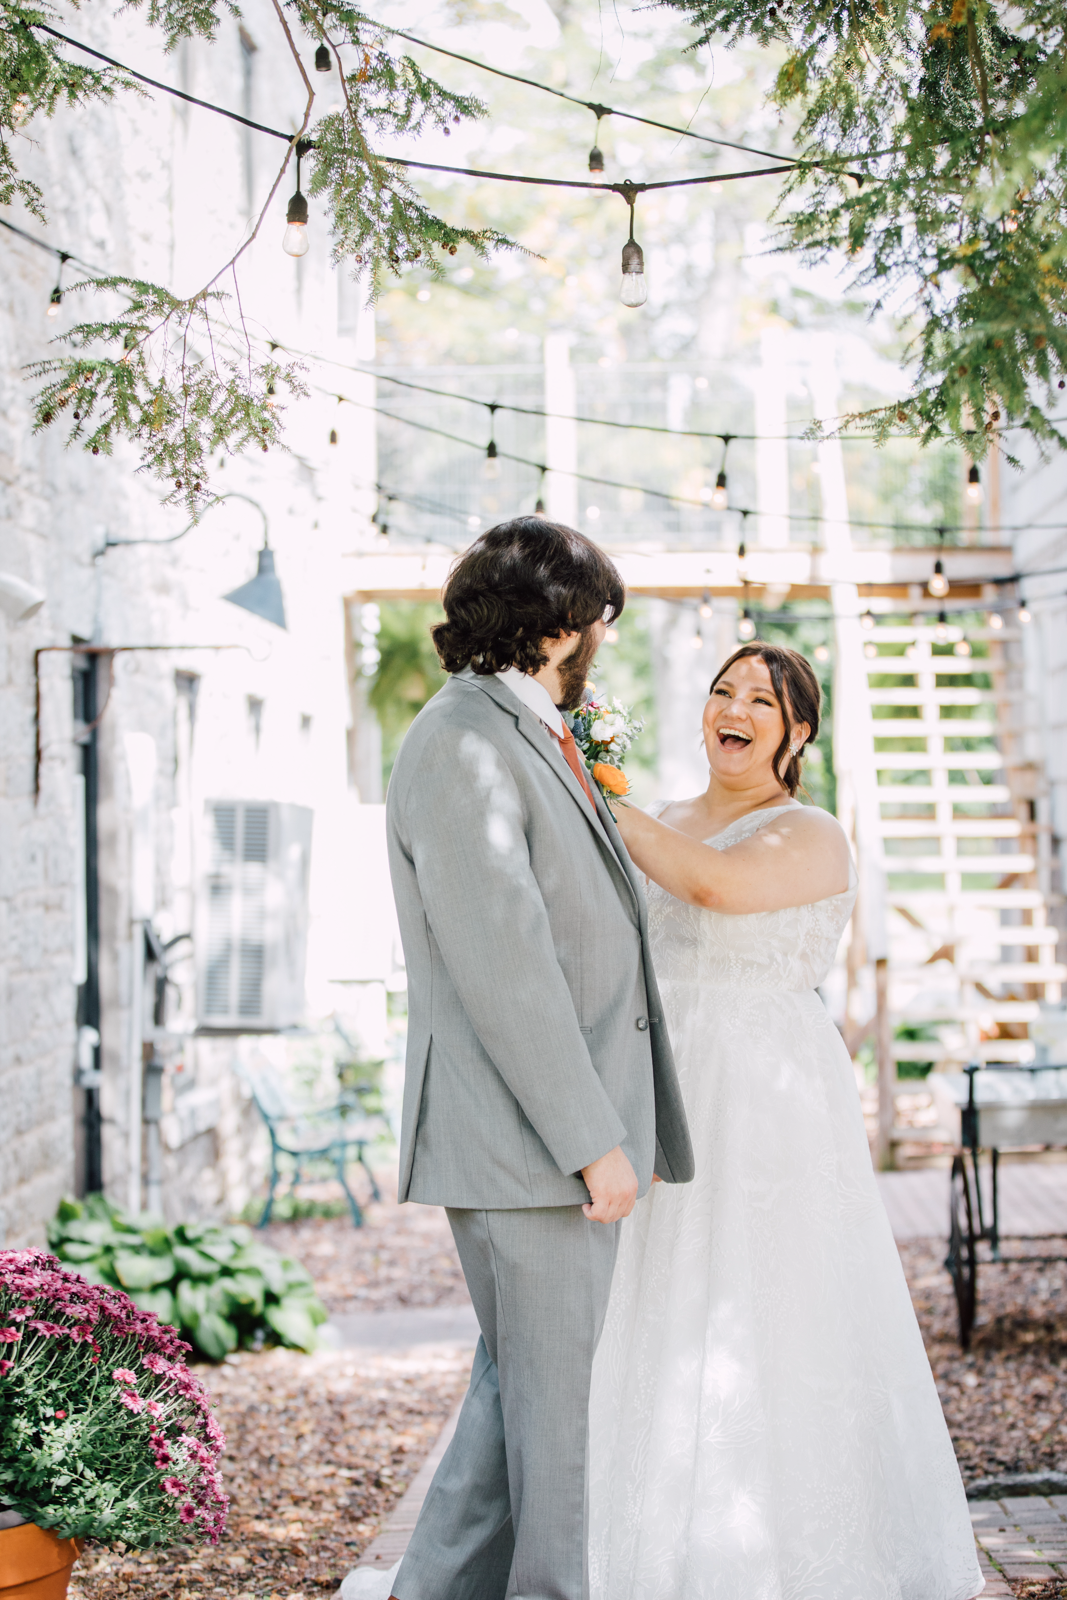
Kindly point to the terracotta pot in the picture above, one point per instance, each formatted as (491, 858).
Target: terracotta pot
(34, 1563)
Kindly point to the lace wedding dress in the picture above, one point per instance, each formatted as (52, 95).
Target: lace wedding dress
(764, 1422)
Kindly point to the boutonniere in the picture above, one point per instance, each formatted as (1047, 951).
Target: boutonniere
(604, 734)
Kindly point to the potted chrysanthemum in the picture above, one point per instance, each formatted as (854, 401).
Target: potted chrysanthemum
(104, 1432)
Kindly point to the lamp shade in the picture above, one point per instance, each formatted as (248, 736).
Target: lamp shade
(19, 600)
(263, 595)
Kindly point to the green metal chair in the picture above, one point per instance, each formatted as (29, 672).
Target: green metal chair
(337, 1133)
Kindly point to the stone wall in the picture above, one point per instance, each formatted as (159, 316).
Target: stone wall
(152, 188)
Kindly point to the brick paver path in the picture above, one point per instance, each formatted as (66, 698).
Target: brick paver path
(1023, 1538)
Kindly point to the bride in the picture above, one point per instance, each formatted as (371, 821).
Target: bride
(764, 1422)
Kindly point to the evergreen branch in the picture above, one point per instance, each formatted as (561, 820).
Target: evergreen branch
(965, 119)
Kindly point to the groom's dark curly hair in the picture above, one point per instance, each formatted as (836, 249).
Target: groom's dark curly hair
(520, 583)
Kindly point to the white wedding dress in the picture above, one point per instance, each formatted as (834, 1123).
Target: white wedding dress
(764, 1422)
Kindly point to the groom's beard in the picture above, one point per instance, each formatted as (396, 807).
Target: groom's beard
(574, 671)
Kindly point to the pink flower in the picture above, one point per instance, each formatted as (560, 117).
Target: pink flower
(187, 1513)
(124, 1375)
(9, 1335)
(60, 1415)
(155, 1363)
(173, 1486)
(132, 1401)
(5, 1368)
(154, 1408)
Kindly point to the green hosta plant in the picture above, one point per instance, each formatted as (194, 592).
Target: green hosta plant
(214, 1282)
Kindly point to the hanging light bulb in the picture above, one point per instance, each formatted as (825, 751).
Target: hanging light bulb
(746, 628)
(974, 486)
(962, 647)
(55, 299)
(323, 63)
(596, 161)
(539, 507)
(870, 650)
(821, 652)
(720, 499)
(941, 630)
(295, 239)
(492, 465)
(868, 621)
(634, 290)
(1023, 615)
(911, 651)
(707, 611)
(271, 400)
(938, 584)
(697, 642)
(996, 620)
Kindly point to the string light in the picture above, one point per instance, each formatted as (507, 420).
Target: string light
(1023, 615)
(821, 652)
(323, 63)
(868, 621)
(55, 299)
(974, 486)
(634, 290)
(996, 620)
(941, 630)
(720, 499)
(746, 628)
(962, 647)
(707, 610)
(870, 650)
(295, 240)
(492, 464)
(697, 642)
(938, 584)
(596, 155)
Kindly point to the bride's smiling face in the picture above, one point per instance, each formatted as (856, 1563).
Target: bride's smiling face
(743, 725)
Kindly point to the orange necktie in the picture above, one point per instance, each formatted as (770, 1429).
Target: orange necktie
(570, 756)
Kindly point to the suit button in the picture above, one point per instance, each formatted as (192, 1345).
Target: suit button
(642, 1024)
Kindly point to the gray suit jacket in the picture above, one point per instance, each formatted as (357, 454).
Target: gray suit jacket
(536, 1040)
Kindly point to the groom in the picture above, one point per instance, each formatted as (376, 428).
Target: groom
(540, 1092)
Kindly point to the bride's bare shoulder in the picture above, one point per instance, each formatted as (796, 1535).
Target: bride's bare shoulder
(813, 828)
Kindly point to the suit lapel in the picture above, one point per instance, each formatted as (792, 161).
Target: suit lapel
(536, 734)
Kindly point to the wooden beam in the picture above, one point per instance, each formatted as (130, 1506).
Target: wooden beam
(687, 574)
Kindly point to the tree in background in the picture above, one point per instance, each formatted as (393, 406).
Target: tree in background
(933, 141)
(408, 673)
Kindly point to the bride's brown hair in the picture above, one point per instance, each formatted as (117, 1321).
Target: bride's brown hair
(796, 689)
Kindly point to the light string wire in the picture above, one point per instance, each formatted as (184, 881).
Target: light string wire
(744, 512)
(606, 422)
(625, 188)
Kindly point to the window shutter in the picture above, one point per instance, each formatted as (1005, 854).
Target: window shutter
(253, 916)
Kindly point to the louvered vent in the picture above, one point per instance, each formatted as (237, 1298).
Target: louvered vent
(252, 917)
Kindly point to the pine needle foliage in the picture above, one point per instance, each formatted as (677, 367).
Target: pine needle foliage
(178, 377)
(35, 78)
(172, 388)
(954, 117)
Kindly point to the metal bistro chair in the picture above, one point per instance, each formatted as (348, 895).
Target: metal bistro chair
(328, 1133)
(1002, 1107)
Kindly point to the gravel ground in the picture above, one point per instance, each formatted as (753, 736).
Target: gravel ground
(1005, 1400)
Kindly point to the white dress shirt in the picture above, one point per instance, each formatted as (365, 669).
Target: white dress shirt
(535, 696)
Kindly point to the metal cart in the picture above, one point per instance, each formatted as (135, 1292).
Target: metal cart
(1001, 1108)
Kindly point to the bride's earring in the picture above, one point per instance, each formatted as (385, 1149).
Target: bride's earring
(794, 749)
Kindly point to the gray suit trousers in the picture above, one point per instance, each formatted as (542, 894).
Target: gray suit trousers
(505, 1515)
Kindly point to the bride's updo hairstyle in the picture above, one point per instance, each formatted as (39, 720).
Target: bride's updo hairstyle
(796, 689)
